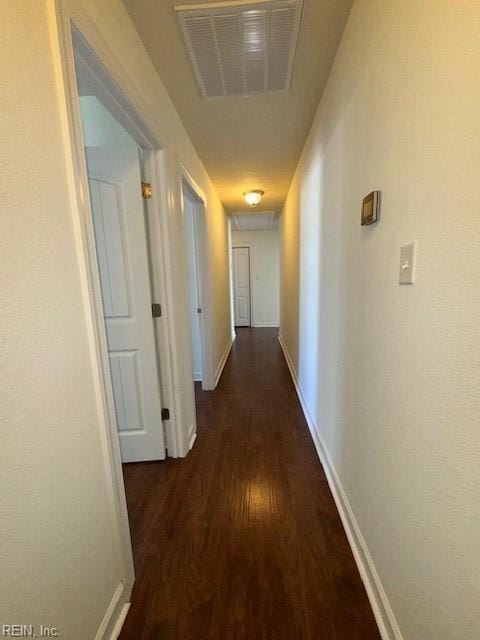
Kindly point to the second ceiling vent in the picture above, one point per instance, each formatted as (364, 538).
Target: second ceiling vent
(241, 47)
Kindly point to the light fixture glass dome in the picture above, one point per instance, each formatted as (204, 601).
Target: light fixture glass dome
(253, 197)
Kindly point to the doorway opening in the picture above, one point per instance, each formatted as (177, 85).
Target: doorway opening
(115, 164)
(129, 257)
(125, 268)
(114, 169)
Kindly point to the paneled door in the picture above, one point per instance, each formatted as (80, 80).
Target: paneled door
(241, 286)
(121, 246)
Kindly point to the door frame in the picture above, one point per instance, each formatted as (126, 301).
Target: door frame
(230, 278)
(197, 198)
(191, 227)
(244, 245)
(73, 30)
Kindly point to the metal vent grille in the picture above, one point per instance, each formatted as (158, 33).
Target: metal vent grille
(254, 221)
(242, 47)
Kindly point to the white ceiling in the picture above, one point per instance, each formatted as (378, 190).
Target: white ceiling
(245, 142)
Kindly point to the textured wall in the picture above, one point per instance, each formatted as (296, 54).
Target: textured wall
(56, 534)
(391, 374)
(59, 564)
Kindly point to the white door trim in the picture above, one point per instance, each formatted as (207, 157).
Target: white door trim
(200, 205)
(67, 18)
(159, 234)
(241, 245)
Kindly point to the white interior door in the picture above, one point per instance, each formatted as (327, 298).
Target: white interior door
(121, 244)
(241, 286)
(194, 298)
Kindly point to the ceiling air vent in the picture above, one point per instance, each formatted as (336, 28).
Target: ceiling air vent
(241, 47)
(254, 221)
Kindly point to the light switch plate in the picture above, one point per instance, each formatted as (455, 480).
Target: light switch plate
(407, 263)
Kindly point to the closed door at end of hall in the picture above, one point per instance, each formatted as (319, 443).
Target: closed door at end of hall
(241, 286)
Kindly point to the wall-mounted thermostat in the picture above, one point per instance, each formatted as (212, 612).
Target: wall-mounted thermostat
(371, 208)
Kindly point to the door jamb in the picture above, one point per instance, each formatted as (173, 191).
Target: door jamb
(200, 204)
(157, 233)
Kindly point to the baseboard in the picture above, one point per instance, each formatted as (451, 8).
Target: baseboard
(120, 620)
(261, 325)
(222, 362)
(192, 436)
(382, 610)
(115, 615)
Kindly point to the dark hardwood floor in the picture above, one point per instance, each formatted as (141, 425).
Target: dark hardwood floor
(241, 540)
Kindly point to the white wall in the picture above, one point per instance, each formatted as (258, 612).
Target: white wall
(59, 561)
(265, 276)
(390, 374)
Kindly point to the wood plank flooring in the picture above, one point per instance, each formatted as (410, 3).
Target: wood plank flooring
(241, 540)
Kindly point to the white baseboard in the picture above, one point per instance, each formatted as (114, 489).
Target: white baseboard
(192, 436)
(382, 610)
(222, 362)
(120, 620)
(260, 325)
(115, 615)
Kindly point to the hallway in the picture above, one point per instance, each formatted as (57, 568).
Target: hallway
(242, 540)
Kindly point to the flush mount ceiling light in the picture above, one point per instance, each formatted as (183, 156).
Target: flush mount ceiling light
(241, 47)
(253, 197)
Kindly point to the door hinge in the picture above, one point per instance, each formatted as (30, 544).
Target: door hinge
(165, 414)
(156, 310)
(146, 190)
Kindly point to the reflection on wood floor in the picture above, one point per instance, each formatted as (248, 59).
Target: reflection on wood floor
(241, 540)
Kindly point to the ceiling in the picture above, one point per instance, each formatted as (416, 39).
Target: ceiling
(245, 142)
